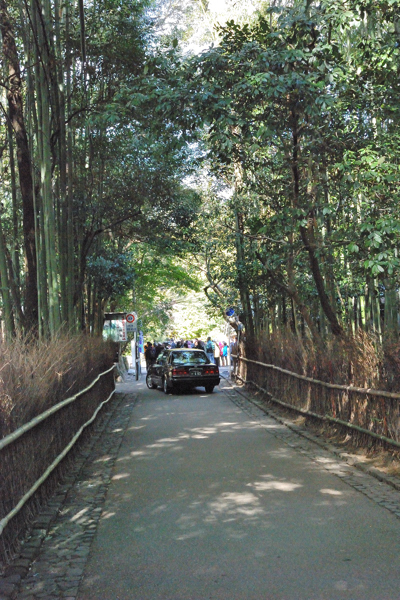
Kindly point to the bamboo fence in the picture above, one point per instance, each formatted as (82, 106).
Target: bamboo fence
(32, 458)
(368, 413)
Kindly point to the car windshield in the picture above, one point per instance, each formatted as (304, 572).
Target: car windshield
(191, 358)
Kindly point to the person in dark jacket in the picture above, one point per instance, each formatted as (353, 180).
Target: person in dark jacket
(150, 355)
(234, 351)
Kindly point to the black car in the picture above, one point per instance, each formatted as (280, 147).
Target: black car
(182, 367)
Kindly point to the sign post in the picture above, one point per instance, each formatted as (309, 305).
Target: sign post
(131, 326)
(131, 322)
(117, 326)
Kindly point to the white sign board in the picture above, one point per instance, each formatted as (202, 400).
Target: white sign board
(122, 334)
(131, 322)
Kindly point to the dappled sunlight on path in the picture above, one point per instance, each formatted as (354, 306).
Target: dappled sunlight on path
(208, 502)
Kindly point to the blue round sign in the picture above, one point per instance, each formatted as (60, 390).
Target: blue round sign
(230, 312)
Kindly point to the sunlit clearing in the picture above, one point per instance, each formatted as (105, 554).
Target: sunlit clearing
(344, 586)
(328, 461)
(120, 476)
(156, 445)
(242, 503)
(103, 459)
(217, 5)
(108, 515)
(79, 514)
(280, 486)
(176, 439)
(205, 430)
(160, 509)
(190, 535)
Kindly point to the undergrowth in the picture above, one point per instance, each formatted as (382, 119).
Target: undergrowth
(358, 360)
(36, 375)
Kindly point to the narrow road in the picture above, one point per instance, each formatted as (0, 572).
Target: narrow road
(212, 502)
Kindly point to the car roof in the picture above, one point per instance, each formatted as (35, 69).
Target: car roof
(185, 350)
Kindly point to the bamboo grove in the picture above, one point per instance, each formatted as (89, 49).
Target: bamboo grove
(80, 184)
(291, 121)
(48, 95)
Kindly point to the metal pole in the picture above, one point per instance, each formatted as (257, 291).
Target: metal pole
(137, 365)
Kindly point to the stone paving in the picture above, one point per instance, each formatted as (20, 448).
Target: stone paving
(382, 489)
(53, 558)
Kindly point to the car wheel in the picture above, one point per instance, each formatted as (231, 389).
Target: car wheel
(209, 389)
(166, 387)
(149, 382)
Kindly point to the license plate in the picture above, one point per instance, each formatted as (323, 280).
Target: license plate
(196, 373)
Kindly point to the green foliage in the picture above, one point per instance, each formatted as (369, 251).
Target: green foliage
(291, 117)
(298, 110)
(112, 273)
(191, 319)
(161, 282)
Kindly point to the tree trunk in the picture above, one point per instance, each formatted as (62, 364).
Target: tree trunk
(307, 235)
(391, 329)
(243, 288)
(291, 291)
(69, 181)
(375, 308)
(5, 289)
(16, 115)
(41, 21)
(15, 248)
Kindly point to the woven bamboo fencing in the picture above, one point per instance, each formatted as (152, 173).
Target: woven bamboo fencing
(368, 413)
(32, 458)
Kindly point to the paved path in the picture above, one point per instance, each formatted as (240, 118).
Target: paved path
(209, 498)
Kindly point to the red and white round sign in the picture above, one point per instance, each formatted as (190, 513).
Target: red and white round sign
(131, 317)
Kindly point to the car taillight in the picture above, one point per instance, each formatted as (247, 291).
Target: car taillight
(180, 371)
(210, 370)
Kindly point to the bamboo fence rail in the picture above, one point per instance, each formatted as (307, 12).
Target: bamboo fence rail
(31, 458)
(368, 413)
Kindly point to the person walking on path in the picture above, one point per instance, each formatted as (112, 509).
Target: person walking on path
(225, 354)
(217, 353)
(234, 351)
(150, 355)
(210, 350)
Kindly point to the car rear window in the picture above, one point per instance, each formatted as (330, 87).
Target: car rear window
(192, 358)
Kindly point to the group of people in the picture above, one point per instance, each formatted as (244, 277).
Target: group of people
(151, 352)
(217, 352)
